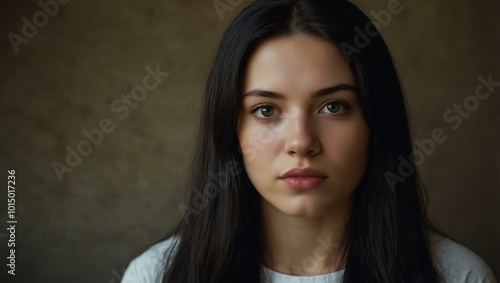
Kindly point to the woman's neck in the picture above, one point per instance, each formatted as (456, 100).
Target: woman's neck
(304, 245)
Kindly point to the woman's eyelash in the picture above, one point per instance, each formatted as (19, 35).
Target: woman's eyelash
(257, 107)
(341, 102)
(254, 109)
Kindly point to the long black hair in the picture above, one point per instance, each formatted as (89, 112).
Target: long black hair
(220, 235)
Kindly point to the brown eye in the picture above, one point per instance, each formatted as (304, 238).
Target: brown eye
(267, 111)
(264, 112)
(335, 107)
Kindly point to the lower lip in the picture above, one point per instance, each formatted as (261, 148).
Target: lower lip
(303, 183)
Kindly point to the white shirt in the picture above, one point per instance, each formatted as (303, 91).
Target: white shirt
(456, 263)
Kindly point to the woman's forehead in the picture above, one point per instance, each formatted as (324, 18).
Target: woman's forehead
(297, 62)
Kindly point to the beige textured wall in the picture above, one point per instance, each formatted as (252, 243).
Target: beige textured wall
(125, 193)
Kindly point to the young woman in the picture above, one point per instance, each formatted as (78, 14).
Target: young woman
(296, 176)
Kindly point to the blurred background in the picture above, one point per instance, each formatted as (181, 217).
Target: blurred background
(67, 70)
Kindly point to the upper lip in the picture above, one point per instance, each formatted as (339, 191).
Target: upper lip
(303, 172)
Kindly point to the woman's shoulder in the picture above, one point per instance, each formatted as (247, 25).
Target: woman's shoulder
(149, 266)
(459, 264)
(456, 263)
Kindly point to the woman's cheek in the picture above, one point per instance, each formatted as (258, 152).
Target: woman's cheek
(253, 142)
(345, 143)
(261, 137)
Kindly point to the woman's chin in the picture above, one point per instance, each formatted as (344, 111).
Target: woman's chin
(303, 208)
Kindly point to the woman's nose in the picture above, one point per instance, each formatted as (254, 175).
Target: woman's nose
(301, 137)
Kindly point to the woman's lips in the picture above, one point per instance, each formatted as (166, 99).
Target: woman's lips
(303, 183)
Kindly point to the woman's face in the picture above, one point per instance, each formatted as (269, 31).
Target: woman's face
(300, 110)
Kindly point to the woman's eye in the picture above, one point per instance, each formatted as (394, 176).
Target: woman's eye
(264, 112)
(335, 107)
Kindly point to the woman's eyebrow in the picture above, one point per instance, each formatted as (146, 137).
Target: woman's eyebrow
(317, 93)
